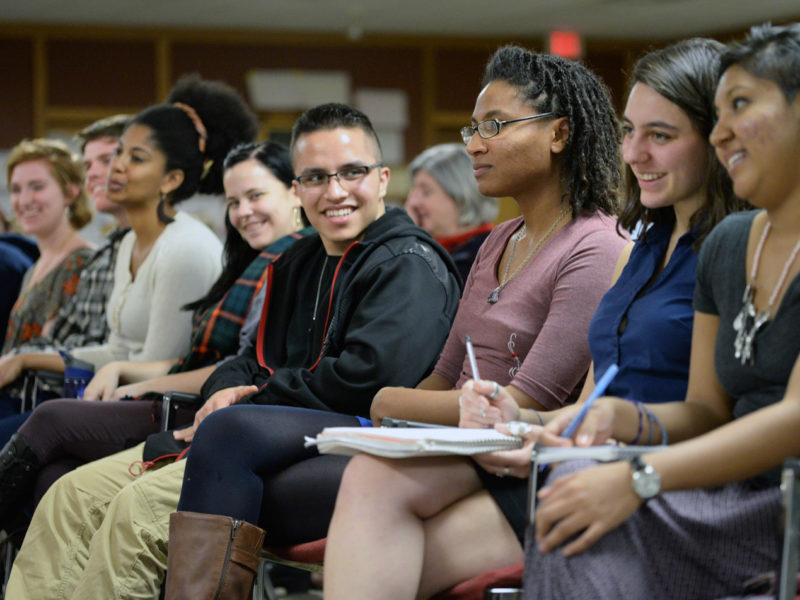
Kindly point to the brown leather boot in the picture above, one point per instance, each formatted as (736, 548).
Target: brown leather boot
(211, 557)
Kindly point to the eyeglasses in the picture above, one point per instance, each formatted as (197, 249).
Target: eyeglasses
(346, 177)
(489, 129)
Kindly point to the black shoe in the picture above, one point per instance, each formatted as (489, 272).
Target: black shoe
(18, 469)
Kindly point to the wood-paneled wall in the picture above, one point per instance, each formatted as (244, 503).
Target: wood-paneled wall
(62, 78)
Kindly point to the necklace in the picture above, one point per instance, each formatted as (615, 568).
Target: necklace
(319, 288)
(494, 296)
(748, 322)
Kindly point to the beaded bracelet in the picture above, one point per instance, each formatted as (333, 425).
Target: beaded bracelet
(652, 417)
(638, 404)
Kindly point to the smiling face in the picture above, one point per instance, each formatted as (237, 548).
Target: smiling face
(517, 160)
(667, 155)
(757, 137)
(260, 207)
(431, 208)
(38, 202)
(97, 156)
(340, 212)
(138, 170)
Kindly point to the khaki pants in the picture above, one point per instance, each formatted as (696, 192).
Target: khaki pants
(99, 532)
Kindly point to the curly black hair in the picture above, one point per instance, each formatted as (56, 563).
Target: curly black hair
(684, 73)
(591, 165)
(227, 119)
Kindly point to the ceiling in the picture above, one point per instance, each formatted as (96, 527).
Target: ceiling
(595, 19)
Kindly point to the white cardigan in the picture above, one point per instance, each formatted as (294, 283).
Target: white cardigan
(144, 314)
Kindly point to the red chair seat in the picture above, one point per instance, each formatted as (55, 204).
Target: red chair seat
(313, 553)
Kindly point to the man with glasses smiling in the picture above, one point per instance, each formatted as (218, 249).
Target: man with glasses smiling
(366, 303)
(347, 287)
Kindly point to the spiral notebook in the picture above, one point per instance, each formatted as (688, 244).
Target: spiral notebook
(403, 443)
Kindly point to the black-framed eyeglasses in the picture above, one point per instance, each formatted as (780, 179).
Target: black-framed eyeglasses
(491, 127)
(345, 176)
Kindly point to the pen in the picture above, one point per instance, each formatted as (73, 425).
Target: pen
(598, 391)
(473, 364)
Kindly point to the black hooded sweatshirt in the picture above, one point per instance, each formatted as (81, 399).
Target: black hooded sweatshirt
(383, 311)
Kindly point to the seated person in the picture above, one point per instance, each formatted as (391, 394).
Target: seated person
(651, 299)
(335, 328)
(709, 515)
(444, 200)
(564, 281)
(50, 204)
(262, 217)
(82, 320)
(168, 258)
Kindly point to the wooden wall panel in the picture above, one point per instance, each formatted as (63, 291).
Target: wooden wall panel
(372, 67)
(89, 72)
(16, 91)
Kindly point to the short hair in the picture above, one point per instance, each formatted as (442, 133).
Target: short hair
(331, 116)
(549, 83)
(684, 73)
(226, 118)
(769, 52)
(109, 127)
(451, 167)
(66, 168)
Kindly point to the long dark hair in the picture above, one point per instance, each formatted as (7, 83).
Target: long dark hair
(237, 253)
(685, 74)
(590, 173)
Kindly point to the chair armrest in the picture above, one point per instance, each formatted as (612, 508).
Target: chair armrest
(38, 382)
(791, 535)
(172, 401)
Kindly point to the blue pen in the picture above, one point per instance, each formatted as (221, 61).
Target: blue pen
(473, 364)
(598, 391)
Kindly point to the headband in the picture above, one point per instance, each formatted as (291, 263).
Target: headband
(202, 134)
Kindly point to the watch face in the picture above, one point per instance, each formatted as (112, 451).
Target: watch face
(646, 482)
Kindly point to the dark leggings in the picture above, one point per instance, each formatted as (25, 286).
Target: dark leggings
(250, 463)
(66, 433)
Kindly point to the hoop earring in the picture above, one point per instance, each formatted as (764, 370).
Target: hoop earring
(161, 212)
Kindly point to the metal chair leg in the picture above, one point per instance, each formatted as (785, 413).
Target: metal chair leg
(791, 538)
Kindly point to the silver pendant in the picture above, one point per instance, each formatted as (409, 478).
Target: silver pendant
(494, 296)
(747, 324)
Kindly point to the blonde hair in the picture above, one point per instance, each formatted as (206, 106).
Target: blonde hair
(65, 166)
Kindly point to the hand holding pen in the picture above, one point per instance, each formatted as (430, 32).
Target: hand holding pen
(575, 422)
(476, 411)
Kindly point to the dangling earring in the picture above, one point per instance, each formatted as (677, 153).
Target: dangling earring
(161, 212)
(298, 219)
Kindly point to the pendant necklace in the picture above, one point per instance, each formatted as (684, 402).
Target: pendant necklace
(494, 296)
(748, 322)
(319, 288)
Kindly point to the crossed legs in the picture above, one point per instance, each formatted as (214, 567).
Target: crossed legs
(410, 528)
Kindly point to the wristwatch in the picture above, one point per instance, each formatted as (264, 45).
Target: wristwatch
(645, 480)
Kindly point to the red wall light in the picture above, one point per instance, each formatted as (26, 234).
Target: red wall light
(566, 43)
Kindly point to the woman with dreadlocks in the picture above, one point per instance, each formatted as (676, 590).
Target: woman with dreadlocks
(548, 137)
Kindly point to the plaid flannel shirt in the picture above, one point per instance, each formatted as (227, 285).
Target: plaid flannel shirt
(81, 321)
(215, 331)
